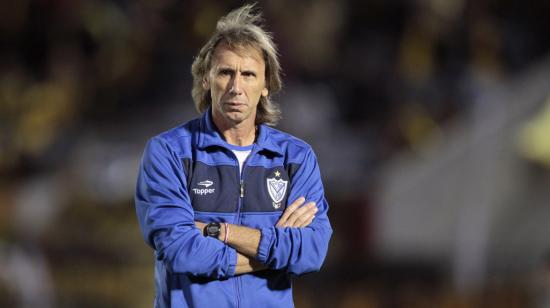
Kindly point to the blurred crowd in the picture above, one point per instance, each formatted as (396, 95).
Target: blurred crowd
(84, 84)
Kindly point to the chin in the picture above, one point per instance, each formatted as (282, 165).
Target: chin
(235, 117)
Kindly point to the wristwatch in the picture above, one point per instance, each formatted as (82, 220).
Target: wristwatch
(213, 229)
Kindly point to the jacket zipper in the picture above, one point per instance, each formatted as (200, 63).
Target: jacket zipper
(241, 196)
(241, 184)
(238, 220)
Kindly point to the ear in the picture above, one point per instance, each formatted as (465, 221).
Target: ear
(265, 92)
(206, 83)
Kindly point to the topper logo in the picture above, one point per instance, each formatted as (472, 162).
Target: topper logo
(206, 183)
(203, 191)
(206, 190)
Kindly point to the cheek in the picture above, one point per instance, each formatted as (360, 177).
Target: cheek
(259, 91)
(217, 89)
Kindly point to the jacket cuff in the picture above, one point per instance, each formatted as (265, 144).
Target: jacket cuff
(232, 266)
(265, 244)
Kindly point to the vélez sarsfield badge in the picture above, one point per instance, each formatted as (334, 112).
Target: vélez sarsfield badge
(277, 189)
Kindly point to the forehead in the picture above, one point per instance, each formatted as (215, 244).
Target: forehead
(243, 55)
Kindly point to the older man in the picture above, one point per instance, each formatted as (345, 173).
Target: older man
(231, 206)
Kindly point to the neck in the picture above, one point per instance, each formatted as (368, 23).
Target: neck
(239, 134)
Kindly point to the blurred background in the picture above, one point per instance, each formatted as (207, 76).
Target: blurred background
(430, 119)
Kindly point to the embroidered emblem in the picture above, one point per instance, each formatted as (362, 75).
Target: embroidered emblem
(277, 189)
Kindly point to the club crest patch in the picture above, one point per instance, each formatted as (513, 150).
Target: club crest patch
(277, 190)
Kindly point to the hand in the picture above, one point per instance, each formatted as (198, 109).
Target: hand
(298, 214)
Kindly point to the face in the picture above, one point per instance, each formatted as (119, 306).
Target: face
(236, 81)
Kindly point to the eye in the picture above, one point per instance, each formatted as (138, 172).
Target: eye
(249, 74)
(225, 72)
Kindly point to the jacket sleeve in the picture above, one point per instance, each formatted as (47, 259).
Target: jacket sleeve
(166, 217)
(300, 250)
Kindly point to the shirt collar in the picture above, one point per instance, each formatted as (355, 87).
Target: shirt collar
(209, 135)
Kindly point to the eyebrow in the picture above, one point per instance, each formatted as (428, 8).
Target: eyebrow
(229, 68)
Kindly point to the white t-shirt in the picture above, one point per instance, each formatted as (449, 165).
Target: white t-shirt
(242, 154)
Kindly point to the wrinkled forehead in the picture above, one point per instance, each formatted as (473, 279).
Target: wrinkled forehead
(243, 50)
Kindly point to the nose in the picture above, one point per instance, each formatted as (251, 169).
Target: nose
(236, 85)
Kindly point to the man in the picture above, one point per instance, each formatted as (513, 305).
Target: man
(232, 207)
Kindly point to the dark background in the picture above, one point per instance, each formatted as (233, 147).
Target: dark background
(429, 119)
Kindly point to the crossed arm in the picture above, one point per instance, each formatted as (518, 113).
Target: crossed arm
(297, 243)
(246, 240)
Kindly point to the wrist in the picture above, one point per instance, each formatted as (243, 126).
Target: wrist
(218, 230)
(224, 233)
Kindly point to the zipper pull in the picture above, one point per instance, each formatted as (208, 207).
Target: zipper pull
(242, 188)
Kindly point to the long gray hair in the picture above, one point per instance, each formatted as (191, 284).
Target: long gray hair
(241, 28)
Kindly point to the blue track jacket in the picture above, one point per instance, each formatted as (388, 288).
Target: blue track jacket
(190, 173)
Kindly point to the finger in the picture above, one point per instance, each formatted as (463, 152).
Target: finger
(308, 222)
(299, 212)
(300, 217)
(289, 210)
(307, 219)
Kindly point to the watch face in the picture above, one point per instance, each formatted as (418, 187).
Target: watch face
(213, 229)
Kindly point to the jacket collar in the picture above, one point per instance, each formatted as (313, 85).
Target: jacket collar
(209, 136)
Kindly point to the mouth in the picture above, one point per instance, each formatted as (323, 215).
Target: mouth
(234, 103)
(234, 106)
